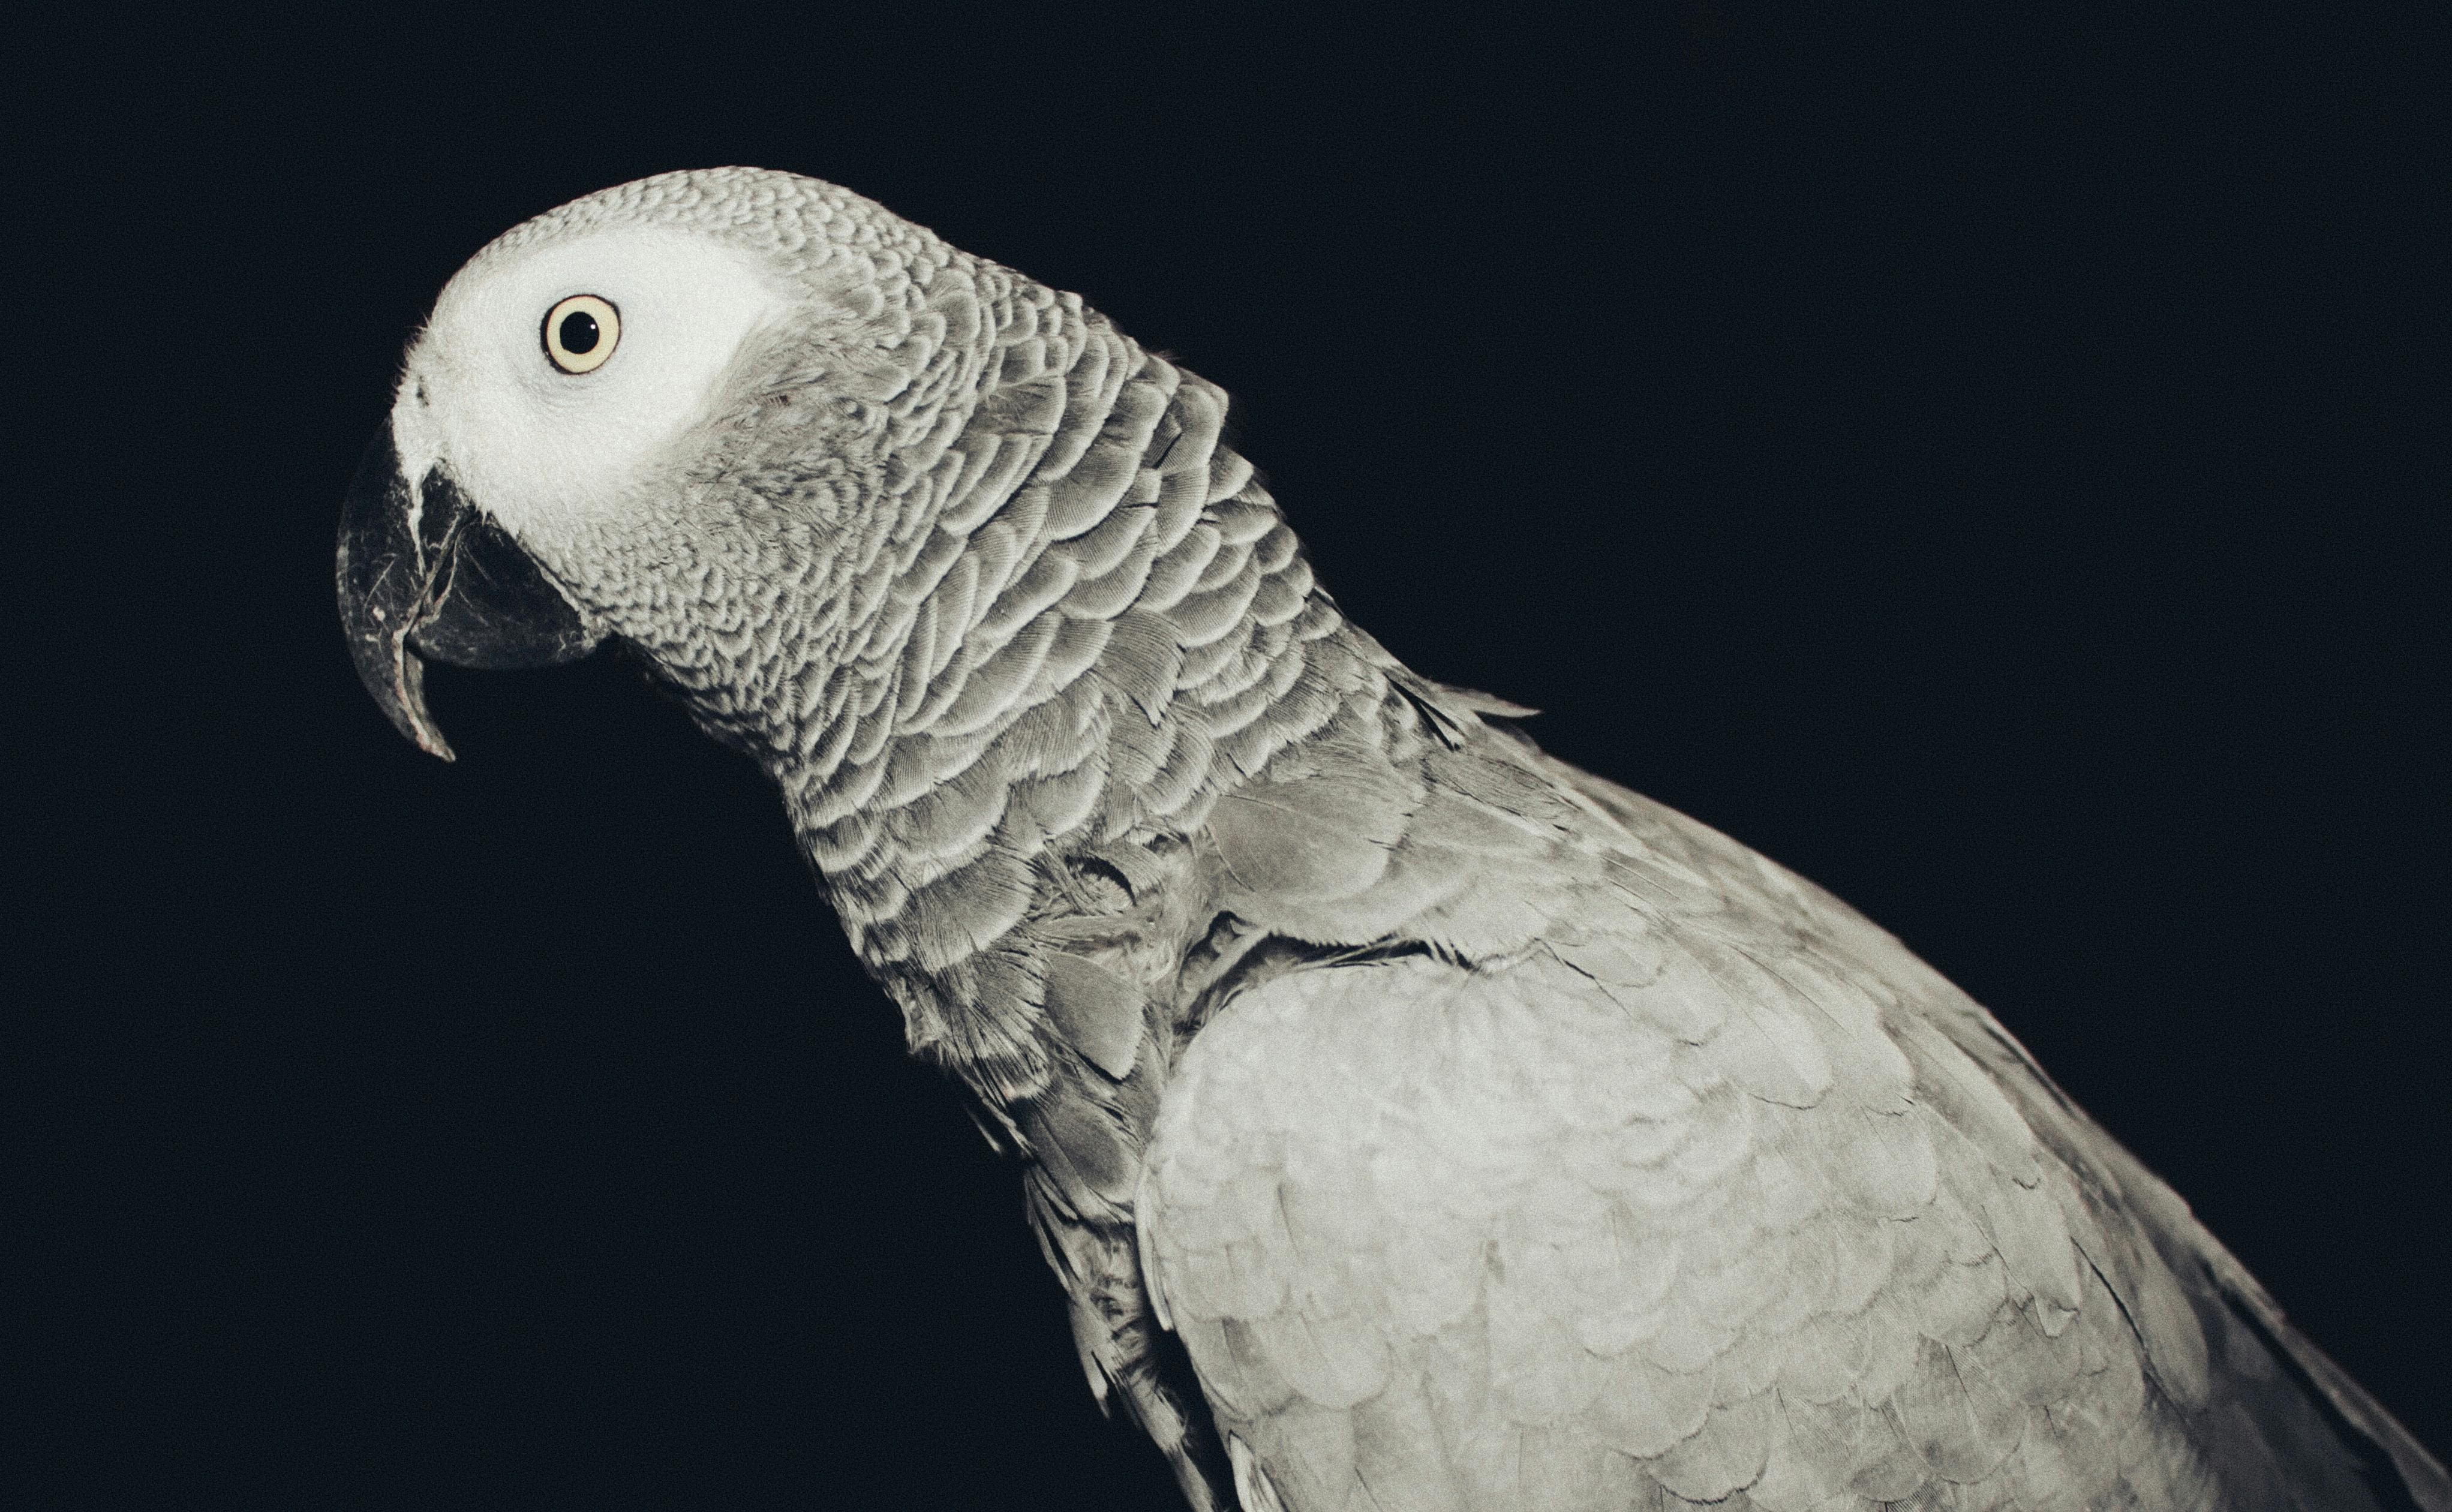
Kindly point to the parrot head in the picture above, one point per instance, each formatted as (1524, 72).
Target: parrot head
(978, 580)
(686, 413)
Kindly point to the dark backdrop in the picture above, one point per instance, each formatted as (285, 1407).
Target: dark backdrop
(1970, 465)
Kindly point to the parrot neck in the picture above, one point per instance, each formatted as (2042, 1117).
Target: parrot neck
(1041, 699)
(1004, 693)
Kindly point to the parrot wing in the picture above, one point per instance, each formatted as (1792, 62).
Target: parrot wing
(1631, 1170)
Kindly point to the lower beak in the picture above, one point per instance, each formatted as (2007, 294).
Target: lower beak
(423, 570)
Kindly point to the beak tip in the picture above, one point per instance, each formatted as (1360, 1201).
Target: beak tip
(422, 735)
(429, 741)
(395, 676)
(405, 701)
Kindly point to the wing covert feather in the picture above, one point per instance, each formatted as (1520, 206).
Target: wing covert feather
(1695, 1189)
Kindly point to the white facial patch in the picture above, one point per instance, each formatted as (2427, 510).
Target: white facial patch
(547, 451)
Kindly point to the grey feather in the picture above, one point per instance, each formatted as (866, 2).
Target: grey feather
(1097, 1011)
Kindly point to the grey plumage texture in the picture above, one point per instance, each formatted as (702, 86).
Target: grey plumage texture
(1492, 1137)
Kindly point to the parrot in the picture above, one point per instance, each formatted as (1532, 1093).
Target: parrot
(1413, 1121)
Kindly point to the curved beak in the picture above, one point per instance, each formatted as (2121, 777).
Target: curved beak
(420, 570)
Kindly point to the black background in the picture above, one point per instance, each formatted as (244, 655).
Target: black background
(1967, 461)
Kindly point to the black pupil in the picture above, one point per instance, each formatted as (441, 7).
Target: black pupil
(578, 332)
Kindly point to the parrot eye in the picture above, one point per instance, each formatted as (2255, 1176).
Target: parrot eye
(580, 332)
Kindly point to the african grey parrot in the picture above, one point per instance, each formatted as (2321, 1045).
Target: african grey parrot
(1490, 1136)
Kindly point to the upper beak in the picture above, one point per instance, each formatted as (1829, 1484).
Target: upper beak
(423, 570)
